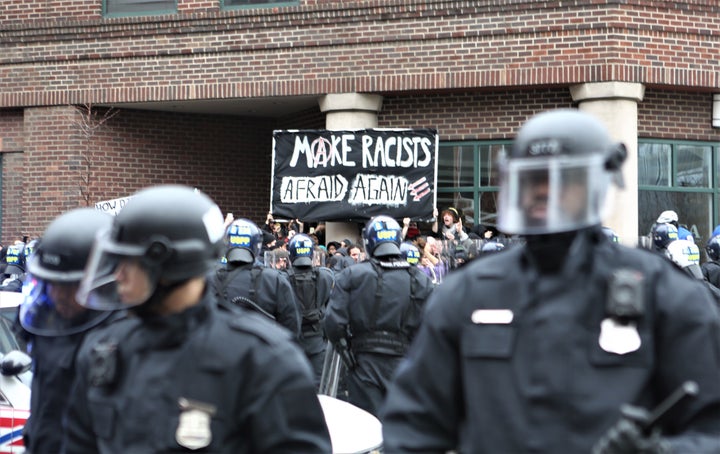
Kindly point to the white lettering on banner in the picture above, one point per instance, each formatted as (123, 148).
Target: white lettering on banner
(327, 188)
(378, 189)
(323, 152)
(396, 152)
(393, 151)
(112, 206)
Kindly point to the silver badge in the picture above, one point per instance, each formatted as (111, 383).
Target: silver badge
(619, 338)
(193, 431)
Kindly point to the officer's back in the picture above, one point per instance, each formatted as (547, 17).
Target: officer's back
(245, 282)
(376, 308)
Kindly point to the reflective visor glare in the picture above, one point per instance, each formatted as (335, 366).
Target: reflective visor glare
(548, 195)
(115, 280)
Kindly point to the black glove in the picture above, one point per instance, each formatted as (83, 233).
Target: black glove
(628, 437)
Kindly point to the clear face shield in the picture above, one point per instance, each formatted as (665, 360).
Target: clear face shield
(542, 195)
(49, 308)
(117, 276)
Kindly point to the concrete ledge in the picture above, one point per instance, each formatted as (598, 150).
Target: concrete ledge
(607, 90)
(349, 102)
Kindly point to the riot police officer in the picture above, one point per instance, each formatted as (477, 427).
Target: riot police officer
(663, 235)
(376, 308)
(537, 348)
(246, 282)
(183, 373)
(15, 269)
(53, 323)
(312, 286)
(711, 268)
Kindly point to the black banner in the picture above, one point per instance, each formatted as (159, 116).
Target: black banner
(354, 175)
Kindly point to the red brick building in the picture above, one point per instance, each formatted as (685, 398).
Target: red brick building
(191, 92)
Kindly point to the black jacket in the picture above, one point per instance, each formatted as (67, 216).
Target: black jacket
(214, 379)
(508, 360)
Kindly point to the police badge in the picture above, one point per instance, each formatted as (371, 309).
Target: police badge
(193, 431)
(619, 338)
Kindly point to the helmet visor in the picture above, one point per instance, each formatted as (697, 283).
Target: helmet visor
(117, 276)
(50, 309)
(555, 194)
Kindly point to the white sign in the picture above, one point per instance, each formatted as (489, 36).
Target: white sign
(112, 206)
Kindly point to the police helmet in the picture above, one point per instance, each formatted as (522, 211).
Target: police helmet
(610, 234)
(244, 241)
(686, 255)
(410, 252)
(301, 248)
(557, 173)
(664, 234)
(15, 259)
(713, 248)
(381, 236)
(170, 232)
(668, 217)
(55, 268)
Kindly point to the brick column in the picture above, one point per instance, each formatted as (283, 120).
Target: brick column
(615, 104)
(348, 111)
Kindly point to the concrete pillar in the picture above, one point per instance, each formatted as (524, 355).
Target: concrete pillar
(615, 104)
(348, 111)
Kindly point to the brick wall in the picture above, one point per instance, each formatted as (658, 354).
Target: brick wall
(677, 116)
(471, 116)
(226, 157)
(382, 46)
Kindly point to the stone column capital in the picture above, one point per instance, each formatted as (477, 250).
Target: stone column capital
(350, 102)
(607, 90)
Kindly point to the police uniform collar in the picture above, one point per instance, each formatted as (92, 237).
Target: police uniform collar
(557, 253)
(172, 330)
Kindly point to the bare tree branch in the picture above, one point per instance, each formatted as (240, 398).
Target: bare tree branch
(89, 121)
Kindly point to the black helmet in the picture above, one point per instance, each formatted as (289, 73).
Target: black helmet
(556, 155)
(410, 252)
(301, 248)
(244, 241)
(381, 236)
(15, 259)
(55, 268)
(610, 234)
(171, 232)
(713, 248)
(663, 235)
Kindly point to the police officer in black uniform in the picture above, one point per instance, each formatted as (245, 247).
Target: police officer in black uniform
(53, 324)
(182, 373)
(711, 268)
(537, 348)
(375, 309)
(312, 286)
(15, 269)
(245, 281)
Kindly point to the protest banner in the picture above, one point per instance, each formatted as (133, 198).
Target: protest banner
(321, 175)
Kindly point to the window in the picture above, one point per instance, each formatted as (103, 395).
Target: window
(679, 176)
(468, 179)
(139, 7)
(256, 3)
